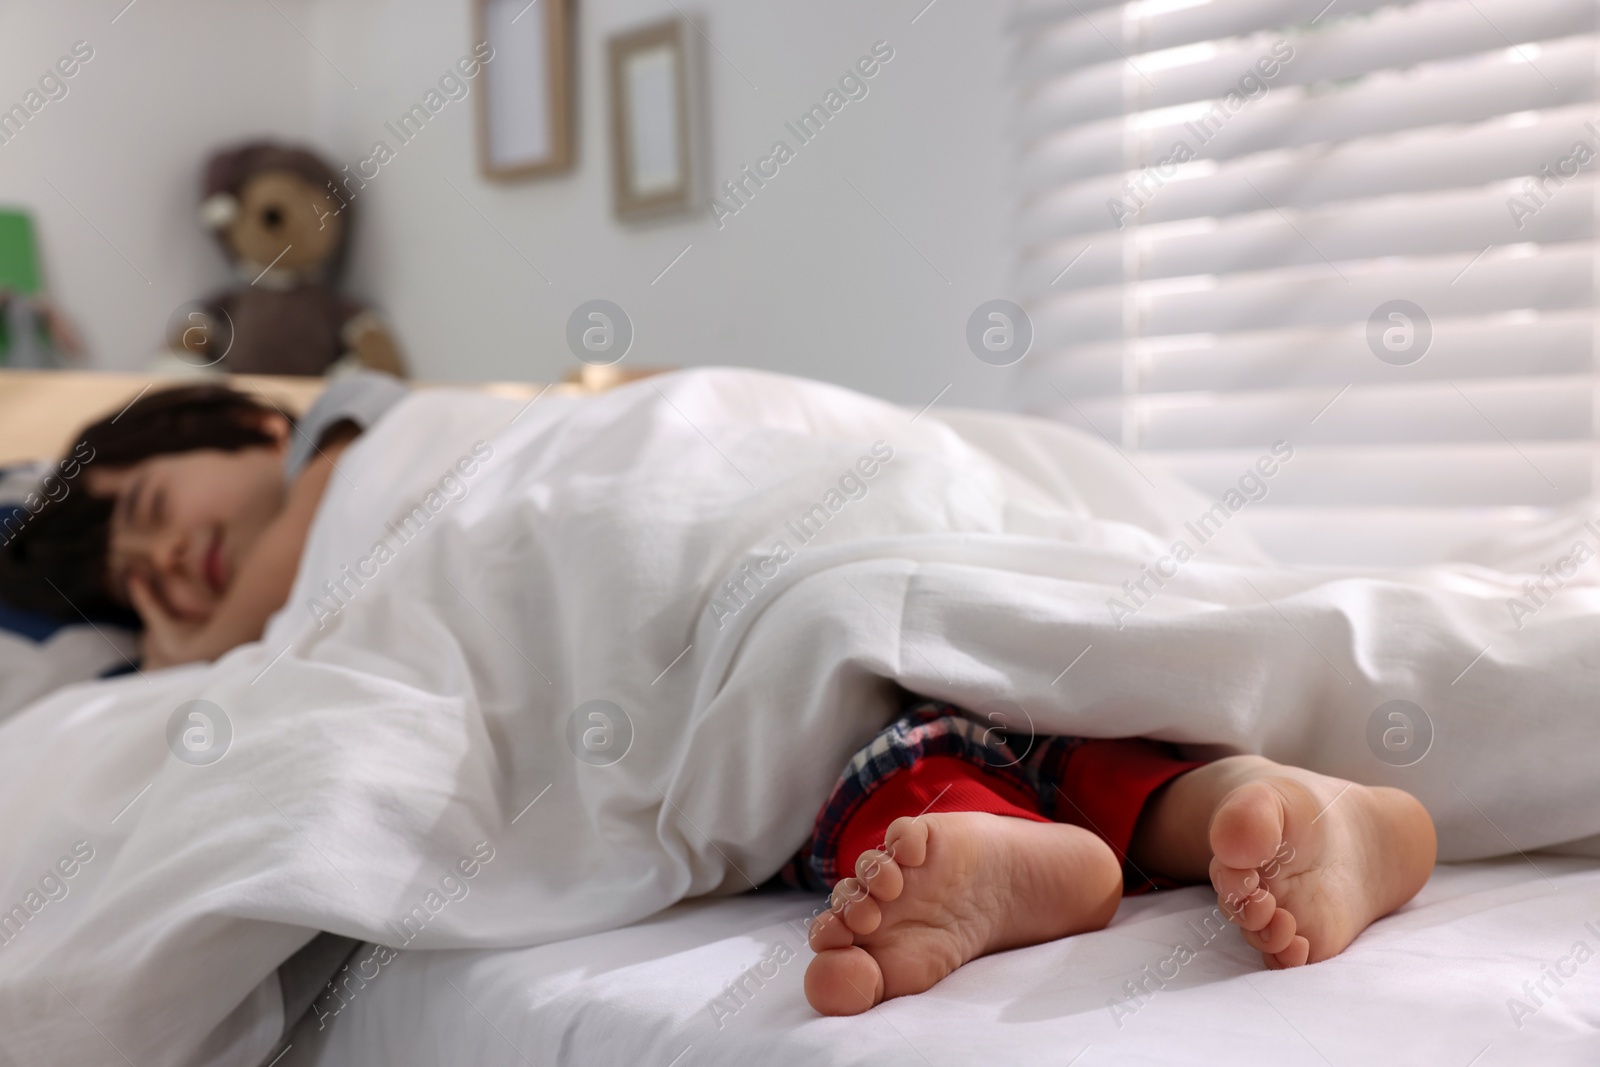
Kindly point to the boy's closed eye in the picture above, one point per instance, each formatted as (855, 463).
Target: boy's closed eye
(151, 500)
(135, 508)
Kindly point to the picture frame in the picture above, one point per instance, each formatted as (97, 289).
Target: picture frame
(525, 109)
(652, 78)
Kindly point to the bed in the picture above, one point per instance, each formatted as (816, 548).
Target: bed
(701, 985)
(1483, 967)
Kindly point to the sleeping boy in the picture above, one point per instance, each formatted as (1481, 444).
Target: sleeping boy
(939, 843)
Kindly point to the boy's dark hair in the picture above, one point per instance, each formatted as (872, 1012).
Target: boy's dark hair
(55, 558)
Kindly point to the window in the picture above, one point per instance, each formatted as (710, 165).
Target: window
(1366, 229)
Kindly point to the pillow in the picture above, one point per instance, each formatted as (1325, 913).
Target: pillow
(39, 654)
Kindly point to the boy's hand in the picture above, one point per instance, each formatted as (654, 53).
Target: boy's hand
(168, 640)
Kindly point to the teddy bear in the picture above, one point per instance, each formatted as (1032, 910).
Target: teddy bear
(277, 213)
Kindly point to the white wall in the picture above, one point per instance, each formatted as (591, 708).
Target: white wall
(170, 80)
(808, 279)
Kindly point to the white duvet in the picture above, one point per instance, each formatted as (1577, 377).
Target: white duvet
(718, 577)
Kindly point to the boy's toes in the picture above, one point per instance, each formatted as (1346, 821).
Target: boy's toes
(907, 841)
(863, 916)
(846, 891)
(1251, 912)
(1296, 955)
(828, 931)
(1274, 937)
(845, 981)
(1233, 882)
(1247, 827)
(878, 871)
(855, 906)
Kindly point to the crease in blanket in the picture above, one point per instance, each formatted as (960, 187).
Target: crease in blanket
(304, 977)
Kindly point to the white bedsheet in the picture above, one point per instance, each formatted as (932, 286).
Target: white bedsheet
(1432, 984)
(426, 722)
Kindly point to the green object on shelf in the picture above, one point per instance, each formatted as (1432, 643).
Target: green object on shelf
(19, 254)
(23, 342)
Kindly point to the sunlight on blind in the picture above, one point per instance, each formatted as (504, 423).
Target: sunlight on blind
(1364, 228)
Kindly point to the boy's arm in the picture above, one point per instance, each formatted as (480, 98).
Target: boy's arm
(262, 581)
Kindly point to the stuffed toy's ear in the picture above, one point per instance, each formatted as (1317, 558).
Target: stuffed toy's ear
(218, 212)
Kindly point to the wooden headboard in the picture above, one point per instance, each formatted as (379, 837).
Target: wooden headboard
(41, 410)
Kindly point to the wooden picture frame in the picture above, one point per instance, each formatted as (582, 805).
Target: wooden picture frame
(651, 78)
(525, 108)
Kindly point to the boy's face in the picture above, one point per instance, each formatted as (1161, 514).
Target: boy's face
(184, 521)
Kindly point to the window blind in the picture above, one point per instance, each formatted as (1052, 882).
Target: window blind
(1367, 229)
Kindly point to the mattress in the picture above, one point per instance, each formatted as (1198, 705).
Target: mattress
(1493, 963)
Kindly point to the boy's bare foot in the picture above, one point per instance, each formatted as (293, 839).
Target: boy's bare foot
(1302, 863)
(949, 887)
